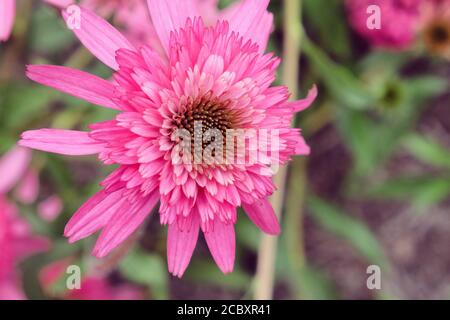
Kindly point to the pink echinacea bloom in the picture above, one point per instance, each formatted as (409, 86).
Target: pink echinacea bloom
(398, 21)
(215, 75)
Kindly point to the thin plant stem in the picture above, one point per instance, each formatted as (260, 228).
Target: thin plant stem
(265, 273)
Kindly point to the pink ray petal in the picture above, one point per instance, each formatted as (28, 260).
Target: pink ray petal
(263, 216)
(93, 215)
(301, 148)
(251, 20)
(66, 142)
(222, 244)
(12, 167)
(181, 245)
(100, 37)
(7, 14)
(303, 104)
(76, 83)
(123, 223)
(169, 16)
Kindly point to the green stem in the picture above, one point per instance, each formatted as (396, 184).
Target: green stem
(265, 273)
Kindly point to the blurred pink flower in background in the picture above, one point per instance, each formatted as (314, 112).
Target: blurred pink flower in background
(399, 21)
(16, 238)
(93, 287)
(7, 15)
(13, 166)
(50, 208)
(28, 189)
(219, 74)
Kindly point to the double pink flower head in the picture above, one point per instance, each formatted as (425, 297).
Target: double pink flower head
(213, 74)
(399, 21)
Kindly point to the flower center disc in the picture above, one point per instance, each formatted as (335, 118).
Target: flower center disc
(205, 118)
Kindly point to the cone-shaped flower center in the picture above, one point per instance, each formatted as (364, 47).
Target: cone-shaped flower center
(204, 118)
(440, 33)
(437, 37)
(212, 114)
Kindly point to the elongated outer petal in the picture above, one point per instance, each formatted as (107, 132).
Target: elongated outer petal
(93, 215)
(12, 167)
(66, 142)
(124, 222)
(301, 148)
(263, 216)
(76, 83)
(222, 245)
(7, 15)
(99, 37)
(180, 246)
(303, 104)
(252, 21)
(169, 16)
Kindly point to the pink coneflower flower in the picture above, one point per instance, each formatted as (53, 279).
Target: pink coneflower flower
(399, 20)
(16, 239)
(7, 15)
(217, 76)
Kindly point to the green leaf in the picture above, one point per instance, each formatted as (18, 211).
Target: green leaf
(315, 284)
(322, 21)
(247, 234)
(362, 136)
(208, 272)
(49, 34)
(305, 280)
(342, 84)
(23, 103)
(385, 63)
(432, 193)
(428, 151)
(348, 228)
(399, 188)
(421, 191)
(147, 269)
(427, 86)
